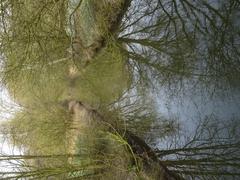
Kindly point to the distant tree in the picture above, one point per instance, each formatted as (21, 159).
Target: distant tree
(212, 152)
(175, 41)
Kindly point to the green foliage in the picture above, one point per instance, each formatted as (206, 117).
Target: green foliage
(104, 79)
(32, 47)
(46, 85)
(37, 63)
(169, 43)
(38, 36)
(41, 130)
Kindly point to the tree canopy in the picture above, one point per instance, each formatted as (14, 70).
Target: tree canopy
(85, 75)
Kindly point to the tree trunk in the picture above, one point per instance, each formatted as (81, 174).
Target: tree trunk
(94, 21)
(87, 118)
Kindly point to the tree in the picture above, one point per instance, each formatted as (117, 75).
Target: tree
(178, 41)
(81, 70)
(211, 153)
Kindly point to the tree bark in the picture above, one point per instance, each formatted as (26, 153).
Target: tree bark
(85, 117)
(90, 35)
(93, 24)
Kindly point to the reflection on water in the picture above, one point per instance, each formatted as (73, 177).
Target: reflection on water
(161, 72)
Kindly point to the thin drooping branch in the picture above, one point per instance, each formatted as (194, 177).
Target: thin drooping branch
(161, 153)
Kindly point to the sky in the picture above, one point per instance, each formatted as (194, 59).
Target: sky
(7, 109)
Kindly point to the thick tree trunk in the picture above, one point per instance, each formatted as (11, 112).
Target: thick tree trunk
(93, 23)
(87, 118)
